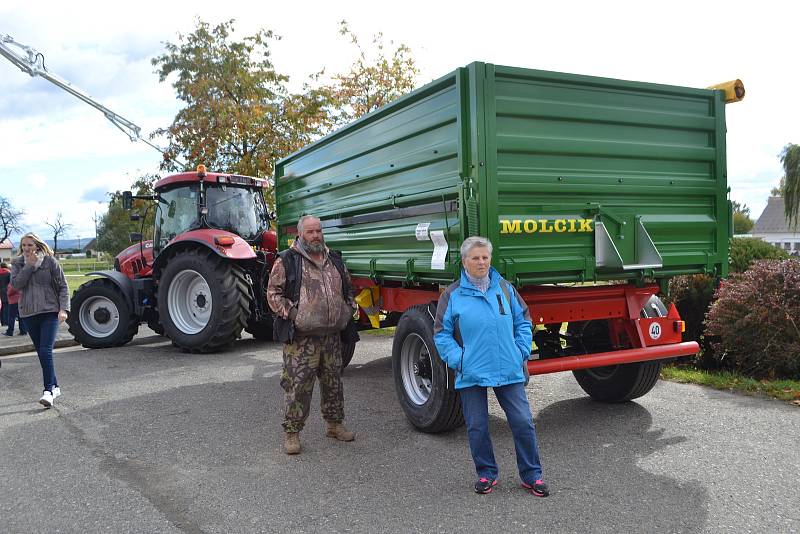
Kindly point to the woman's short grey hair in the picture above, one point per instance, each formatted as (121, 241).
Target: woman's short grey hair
(472, 242)
(302, 220)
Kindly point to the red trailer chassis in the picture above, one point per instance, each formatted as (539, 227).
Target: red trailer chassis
(643, 338)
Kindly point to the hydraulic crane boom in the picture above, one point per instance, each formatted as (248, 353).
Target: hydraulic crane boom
(32, 63)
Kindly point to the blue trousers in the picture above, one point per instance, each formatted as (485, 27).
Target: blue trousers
(43, 328)
(514, 402)
(13, 315)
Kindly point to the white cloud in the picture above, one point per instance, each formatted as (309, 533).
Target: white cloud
(37, 180)
(47, 133)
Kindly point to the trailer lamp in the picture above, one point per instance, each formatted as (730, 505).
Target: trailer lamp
(224, 240)
(680, 326)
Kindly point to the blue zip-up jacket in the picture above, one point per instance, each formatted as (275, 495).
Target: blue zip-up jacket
(495, 334)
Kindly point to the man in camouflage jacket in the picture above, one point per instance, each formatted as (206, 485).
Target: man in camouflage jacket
(319, 316)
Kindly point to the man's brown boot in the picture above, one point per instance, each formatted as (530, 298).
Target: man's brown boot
(291, 442)
(338, 431)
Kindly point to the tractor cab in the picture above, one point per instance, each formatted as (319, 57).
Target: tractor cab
(190, 201)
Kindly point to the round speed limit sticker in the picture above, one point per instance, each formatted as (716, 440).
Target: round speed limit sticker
(655, 331)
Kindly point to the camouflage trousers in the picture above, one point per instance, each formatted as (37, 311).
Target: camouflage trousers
(304, 360)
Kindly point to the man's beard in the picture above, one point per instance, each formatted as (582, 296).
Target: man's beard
(316, 247)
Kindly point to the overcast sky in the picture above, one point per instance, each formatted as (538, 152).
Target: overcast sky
(58, 154)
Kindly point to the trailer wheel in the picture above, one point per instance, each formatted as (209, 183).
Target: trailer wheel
(101, 316)
(203, 300)
(425, 386)
(617, 383)
(348, 349)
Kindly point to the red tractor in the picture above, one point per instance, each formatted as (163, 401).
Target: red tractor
(200, 281)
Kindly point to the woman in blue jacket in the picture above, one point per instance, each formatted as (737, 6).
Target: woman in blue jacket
(483, 332)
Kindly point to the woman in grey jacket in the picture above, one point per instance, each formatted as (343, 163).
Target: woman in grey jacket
(43, 305)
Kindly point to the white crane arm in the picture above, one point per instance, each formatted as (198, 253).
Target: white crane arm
(31, 62)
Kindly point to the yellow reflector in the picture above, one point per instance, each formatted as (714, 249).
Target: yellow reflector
(734, 90)
(368, 300)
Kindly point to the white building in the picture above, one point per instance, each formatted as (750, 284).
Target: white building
(6, 251)
(773, 227)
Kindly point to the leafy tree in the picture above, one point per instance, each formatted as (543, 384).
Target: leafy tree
(59, 228)
(790, 157)
(10, 219)
(778, 191)
(239, 116)
(115, 226)
(374, 79)
(742, 223)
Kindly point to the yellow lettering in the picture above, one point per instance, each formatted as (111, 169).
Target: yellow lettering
(545, 226)
(510, 227)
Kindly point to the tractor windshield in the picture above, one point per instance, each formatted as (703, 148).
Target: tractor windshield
(237, 209)
(176, 213)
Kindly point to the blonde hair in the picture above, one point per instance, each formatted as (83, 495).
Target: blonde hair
(40, 244)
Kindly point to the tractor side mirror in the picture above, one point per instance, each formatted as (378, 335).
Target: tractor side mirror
(135, 237)
(127, 200)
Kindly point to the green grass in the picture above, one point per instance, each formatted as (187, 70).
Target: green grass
(76, 280)
(84, 265)
(76, 268)
(388, 332)
(785, 390)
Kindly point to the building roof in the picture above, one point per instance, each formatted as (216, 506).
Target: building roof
(91, 245)
(773, 219)
(6, 244)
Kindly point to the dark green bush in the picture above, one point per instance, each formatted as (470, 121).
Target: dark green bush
(745, 250)
(692, 295)
(755, 320)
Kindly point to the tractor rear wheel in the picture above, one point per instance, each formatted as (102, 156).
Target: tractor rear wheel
(203, 300)
(101, 315)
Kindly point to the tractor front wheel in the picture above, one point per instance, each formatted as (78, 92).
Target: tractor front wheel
(101, 316)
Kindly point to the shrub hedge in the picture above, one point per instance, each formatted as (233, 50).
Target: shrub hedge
(755, 321)
(693, 294)
(745, 250)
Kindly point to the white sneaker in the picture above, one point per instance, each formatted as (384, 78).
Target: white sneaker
(47, 399)
(56, 392)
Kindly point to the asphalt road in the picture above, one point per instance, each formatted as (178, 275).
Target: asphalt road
(148, 439)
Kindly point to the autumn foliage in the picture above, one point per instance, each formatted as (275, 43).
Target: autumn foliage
(240, 116)
(755, 321)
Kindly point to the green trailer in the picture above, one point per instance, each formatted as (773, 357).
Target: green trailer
(594, 192)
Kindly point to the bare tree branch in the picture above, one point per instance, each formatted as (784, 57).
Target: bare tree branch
(10, 219)
(59, 228)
